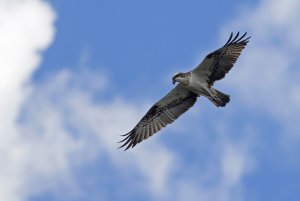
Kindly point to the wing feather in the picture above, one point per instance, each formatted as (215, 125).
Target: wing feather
(216, 64)
(162, 113)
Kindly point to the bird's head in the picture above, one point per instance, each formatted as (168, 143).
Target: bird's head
(182, 78)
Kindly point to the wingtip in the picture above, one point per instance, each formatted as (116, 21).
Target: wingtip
(229, 39)
(123, 140)
(123, 145)
(237, 39)
(247, 39)
(126, 141)
(236, 36)
(125, 134)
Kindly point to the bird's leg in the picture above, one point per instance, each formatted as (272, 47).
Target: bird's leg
(209, 90)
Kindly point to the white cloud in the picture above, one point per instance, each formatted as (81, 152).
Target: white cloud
(266, 80)
(62, 126)
(26, 28)
(268, 73)
(220, 177)
(63, 122)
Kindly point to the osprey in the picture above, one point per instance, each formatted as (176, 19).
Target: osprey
(192, 84)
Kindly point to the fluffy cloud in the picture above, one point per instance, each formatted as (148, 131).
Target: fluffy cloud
(50, 130)
(26, 28)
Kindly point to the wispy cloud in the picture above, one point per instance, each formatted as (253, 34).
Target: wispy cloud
(63, 122)
(268, 76)
(49, 130)
(53, 129)
(265, 88)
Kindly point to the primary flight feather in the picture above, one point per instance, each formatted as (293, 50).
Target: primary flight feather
(192, 84)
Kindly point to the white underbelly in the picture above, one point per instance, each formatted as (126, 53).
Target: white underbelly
(199, 88)
(198, 84)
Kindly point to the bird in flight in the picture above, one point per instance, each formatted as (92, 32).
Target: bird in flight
(191, 85)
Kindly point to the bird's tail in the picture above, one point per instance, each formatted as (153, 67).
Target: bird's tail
(220, 99)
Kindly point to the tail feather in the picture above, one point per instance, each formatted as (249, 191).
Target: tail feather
(220, 99)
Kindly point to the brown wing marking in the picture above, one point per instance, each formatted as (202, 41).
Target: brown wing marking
(157, 118)
(225, 57)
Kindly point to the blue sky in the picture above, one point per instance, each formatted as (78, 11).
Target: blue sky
(133, 36)
(76, 75)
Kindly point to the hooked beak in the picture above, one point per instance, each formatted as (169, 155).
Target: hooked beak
(173, 81)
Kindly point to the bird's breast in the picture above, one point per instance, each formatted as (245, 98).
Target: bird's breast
(198, 85)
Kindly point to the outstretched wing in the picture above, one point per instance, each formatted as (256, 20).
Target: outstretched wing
(162, 113)
(218, 63)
